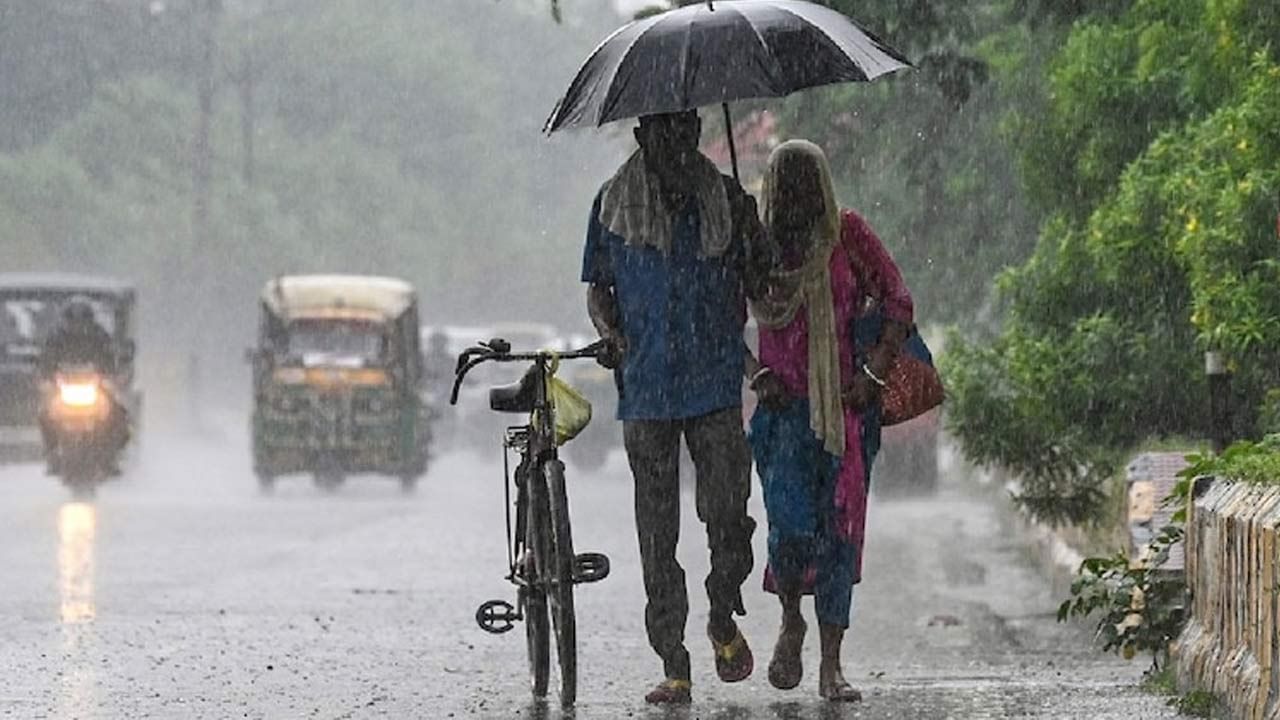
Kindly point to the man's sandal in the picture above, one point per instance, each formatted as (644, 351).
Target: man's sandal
(671, 692)
(734, 661)
(786, 669)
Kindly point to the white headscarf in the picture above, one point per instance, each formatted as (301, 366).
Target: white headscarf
(632, 207)
(809, 286)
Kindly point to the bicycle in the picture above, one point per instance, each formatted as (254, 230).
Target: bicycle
(540, 558)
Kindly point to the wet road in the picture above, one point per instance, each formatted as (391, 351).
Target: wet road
(183, 592)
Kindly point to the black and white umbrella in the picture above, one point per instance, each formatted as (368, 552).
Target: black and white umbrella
(718, 52)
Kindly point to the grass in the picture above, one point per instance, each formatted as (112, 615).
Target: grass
(1163, 682)
(1197, 703)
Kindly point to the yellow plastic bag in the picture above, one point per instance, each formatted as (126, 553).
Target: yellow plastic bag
(571, 411)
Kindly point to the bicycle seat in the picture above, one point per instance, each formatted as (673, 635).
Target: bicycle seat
(518, 397)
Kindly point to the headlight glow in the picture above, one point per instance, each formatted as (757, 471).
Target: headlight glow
(79, 395)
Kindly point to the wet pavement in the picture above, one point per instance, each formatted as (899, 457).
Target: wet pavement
(181, 591)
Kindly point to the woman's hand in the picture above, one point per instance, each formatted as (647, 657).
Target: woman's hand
(860, 394)
(771, 392)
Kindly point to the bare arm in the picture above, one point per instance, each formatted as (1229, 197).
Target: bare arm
(752, 364)
(602, 308)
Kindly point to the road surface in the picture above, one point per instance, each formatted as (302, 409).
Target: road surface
(181, 591)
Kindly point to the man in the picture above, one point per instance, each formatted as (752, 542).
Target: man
(80, 340)
(672, 250)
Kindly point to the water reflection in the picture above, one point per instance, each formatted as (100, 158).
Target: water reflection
(77, 524)
(77, 527)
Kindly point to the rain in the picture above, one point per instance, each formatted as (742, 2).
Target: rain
(731, 359)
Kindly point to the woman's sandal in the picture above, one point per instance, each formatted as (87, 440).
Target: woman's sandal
(839, 692)
(786, 669)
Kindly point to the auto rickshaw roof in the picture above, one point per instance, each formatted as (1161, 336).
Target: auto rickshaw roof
(66, 282)
(292, 296)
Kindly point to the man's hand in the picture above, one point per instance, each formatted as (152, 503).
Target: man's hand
(860, 394)
(771, 392)
(614, 347)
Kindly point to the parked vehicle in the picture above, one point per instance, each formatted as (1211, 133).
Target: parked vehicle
(338, 380)
(30, 309)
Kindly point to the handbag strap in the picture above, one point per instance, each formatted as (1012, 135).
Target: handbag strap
(867, 299)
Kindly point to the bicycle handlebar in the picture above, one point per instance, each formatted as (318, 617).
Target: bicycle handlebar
(499, 350)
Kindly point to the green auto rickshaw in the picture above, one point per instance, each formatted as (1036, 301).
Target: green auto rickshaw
(337, 380)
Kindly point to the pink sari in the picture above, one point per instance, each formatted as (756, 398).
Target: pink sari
(786, 352)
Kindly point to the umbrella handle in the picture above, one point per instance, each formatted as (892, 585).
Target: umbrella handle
(728, 128)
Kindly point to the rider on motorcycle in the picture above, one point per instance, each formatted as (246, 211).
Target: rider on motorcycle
(80, 340)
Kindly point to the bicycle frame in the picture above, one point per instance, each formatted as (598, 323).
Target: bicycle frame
(540, 557)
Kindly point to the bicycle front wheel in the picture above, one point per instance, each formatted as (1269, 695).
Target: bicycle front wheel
(561, 590)
(537, 630)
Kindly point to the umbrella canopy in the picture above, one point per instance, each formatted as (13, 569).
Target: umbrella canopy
(718, 52)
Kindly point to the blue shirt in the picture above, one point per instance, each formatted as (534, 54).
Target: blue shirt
(682, 317)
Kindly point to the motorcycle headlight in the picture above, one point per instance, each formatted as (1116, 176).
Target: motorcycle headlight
(78, 395)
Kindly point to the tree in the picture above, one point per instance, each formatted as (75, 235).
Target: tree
(1168, 249)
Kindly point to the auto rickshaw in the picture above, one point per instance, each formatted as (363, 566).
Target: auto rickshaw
(338, 380)
(30, 308)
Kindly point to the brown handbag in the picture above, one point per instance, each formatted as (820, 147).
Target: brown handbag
(911, 389)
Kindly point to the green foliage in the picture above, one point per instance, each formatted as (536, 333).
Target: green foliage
(1157, 161)
(1138, 606)
(1244, 461)
(1160, 682)
(1197, 704)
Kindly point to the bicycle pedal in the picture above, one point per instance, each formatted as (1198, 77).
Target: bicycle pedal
(590, 567)
(497, 617)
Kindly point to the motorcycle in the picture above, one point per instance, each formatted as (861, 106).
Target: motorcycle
(78, 414)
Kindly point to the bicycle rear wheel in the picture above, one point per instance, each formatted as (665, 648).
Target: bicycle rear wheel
(537, 631)
(561, 592)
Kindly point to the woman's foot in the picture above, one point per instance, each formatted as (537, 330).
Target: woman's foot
(840, 692)
(670, 692)
(831, 683)
(786, 669)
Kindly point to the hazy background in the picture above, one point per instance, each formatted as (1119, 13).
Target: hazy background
(380, 136)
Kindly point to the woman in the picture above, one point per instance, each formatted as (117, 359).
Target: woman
(817, 426)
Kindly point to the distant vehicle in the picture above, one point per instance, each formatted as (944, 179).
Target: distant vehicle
(338, 380)
(482, 429)
(448, 422)
(30, 308)
(77, 405)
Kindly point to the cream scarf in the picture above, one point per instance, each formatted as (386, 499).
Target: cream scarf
(809, 286)
(632, 207)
